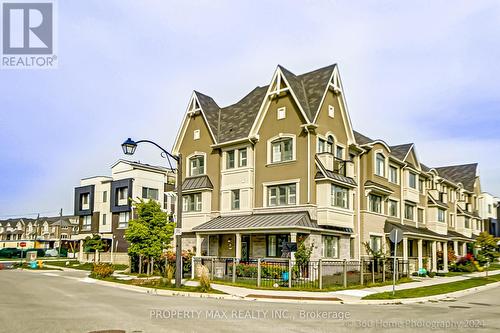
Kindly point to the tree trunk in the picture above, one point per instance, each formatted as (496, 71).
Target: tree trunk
(140, 264)
(152, 266)
(149, 267)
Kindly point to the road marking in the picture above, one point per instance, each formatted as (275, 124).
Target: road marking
(50, 274)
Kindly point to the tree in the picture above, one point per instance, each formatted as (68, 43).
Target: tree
(150, 233)
(94, 243)
(488, 248)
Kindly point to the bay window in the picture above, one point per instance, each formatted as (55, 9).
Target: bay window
(412, 180)
(339, 196)
(191, 202)
(375, 203)
(441, 214)
(409, 210)
(393, 208)
(197, 165)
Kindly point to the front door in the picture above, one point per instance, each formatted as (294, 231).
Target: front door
(245, 248)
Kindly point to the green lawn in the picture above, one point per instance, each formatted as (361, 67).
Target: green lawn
(436, 289)
(155, 284)
(76, 265)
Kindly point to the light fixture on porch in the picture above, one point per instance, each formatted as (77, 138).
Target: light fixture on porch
(230, 243)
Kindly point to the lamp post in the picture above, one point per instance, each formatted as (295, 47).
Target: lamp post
(129, 147)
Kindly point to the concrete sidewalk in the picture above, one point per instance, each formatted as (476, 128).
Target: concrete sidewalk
(348, 295)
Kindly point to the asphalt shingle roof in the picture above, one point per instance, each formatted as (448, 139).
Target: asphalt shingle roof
(362, 139)
(465, 174)
(400, 151)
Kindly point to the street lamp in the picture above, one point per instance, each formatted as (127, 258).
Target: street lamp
(129, 147)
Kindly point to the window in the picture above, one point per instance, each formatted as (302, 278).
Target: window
(104, 196)
(393, 174)
(375, 203)
(441, 215)
(123, 220)
(421, 186)
(329, 144)
(149, 193)
(412, 180)
(235, 199)
(376, 243)
(340, 197)
(282, 150)
(393, 208)
(321, 145)
(196, 134)
(331, 111)
(330, 247)
(103, 219)
(86, 224)
(451, 223)
(192, 202)
(489, 208)
(85, 199)
(243, 157)
(281, 113)
(230, 159)
(281, 195)
(409, 210)
(380, 165)
(274, 245)
(122, 193)
(339, 152)
(197, 165)
(420, 215)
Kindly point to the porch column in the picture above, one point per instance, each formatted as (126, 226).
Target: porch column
(293, 239)
(464, 248)
(455, 247)
(405, 248)
(80, 254)
(445, 257)
(198, 245)
(420, 253)
(238, 245)
(434, 257)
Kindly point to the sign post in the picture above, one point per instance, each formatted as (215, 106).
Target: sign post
(22, 245)
(395, 236)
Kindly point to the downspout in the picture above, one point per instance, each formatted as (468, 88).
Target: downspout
(358, 202)
(401, 200)
(308, 165)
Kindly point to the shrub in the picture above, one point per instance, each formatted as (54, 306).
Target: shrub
(204, 275)
(101, 270)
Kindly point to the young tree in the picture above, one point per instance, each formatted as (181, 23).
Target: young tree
(150, 233)
(94, 243)
(488, 247)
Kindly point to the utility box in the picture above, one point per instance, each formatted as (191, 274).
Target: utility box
(31, 255)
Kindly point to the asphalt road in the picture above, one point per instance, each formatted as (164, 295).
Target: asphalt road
(57, 301)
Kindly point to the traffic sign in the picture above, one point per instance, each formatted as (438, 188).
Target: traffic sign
(22, 244)
(396, 235)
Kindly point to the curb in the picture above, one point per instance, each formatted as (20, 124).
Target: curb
(441, 297)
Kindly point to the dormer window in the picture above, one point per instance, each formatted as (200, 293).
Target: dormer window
(380, 164)
(197, 165)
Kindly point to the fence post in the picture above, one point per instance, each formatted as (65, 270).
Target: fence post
(383, 270)
(290, 273)
(259, 273)
(234, 270)
(212, 269)
(373, 271)
(344, 271)
(192, 267)
(320, 272)
(361, 269)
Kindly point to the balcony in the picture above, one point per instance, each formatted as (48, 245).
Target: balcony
(336, 165)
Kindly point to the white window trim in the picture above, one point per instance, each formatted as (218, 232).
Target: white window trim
(188, 164)
(397, 174)
(237, 150)
(382, 206)
(344, 150)
(279, 111)
(281, 182)
(281, 136)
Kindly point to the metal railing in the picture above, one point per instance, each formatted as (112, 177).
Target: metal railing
(315, 274)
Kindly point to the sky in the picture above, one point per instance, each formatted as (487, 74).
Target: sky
(425, 72)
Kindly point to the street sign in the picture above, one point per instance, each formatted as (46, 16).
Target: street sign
(396, 235)
(22, 244)
(177, 231)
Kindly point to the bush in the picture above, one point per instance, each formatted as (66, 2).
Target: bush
(101, 270)
(204, 275)
(431, 274)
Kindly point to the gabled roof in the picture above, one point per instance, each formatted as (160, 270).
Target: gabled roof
(465, 174)
(362, 139)
(400, 151)
(235, 121)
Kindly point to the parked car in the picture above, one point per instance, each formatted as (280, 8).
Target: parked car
(51, 253)
(10, 252)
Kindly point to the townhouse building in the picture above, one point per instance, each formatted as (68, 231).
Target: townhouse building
(284, 164)
(41, 232)
(489, 207)
(104, 204)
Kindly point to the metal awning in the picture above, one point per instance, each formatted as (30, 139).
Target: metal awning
(407, 229)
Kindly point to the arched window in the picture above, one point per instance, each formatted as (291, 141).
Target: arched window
(329, 144)
(380, 164)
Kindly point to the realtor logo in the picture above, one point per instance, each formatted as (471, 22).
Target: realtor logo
(28, 35)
